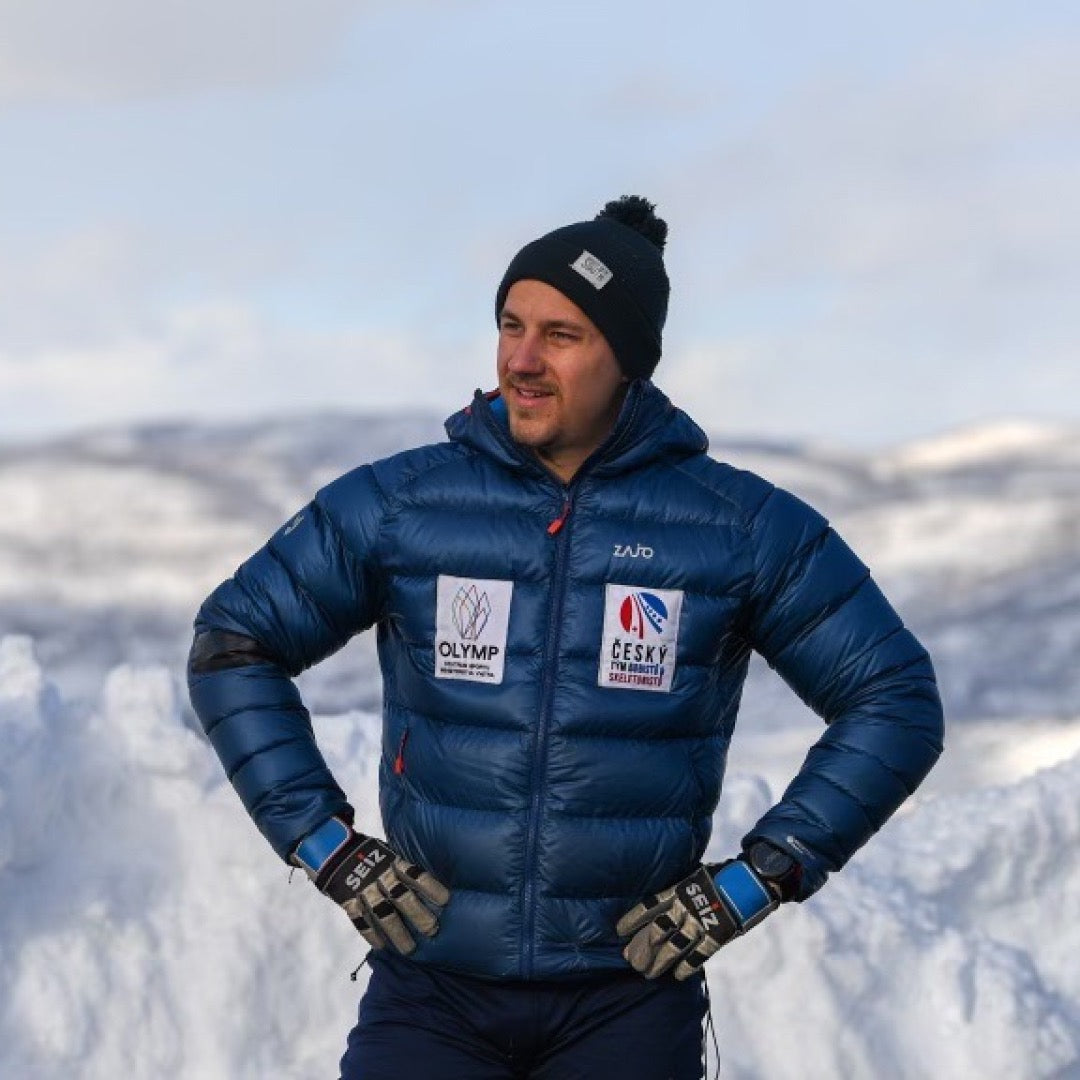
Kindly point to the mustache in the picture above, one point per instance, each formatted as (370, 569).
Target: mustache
(528, 384)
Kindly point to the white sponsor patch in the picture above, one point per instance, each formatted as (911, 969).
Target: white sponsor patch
(592, 269)
(471, 619)
(641, 637)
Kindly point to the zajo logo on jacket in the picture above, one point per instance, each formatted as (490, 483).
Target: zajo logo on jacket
(641, 637)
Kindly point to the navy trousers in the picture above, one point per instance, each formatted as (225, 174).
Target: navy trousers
(420, 1024)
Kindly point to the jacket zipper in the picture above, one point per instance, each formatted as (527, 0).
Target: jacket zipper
(559, 528)
(399, 761)
(560, 521)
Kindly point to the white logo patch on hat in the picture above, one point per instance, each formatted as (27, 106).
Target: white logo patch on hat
(471, 620)
(592, 269)
(641, 637)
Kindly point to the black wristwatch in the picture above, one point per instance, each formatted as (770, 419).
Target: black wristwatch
(775, 867)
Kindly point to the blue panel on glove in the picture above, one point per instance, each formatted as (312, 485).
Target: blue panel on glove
(743, 891)
(319, 845)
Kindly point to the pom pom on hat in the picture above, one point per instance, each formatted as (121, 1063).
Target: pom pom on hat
(639, 214)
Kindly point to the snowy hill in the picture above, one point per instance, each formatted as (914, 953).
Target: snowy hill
(146, 929)
(127, 530)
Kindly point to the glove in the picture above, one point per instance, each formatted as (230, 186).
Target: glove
(387, 898)
(683, 926)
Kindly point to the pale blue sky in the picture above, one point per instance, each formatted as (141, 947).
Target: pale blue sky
(229, 210)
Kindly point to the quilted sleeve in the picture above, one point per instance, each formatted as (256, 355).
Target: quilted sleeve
(819, 620)
(314, 585)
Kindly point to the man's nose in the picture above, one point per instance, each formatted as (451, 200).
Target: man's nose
(527, 356)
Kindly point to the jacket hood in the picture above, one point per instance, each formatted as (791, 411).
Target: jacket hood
(649, 428)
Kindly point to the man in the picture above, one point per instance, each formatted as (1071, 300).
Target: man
(566, 595)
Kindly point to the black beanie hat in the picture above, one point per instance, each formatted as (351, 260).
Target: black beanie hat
(613, 268)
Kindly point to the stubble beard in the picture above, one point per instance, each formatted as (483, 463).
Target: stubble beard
(537, 436)
(531, 430)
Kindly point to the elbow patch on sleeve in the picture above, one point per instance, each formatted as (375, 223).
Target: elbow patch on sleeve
(220, 650)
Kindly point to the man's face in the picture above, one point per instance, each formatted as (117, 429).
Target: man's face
(562, 385)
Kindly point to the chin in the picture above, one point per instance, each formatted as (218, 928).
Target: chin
(532, 441)
(535, 436)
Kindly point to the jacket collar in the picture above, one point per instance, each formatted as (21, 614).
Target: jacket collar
(649, 428)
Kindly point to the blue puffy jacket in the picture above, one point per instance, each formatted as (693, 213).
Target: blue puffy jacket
(562, 668)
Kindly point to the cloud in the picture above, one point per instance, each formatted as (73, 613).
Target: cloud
(860, 176)
(228, 361)
(111, 323)
(80, 289)
(867, 244)
(56, 50)
(892, 253)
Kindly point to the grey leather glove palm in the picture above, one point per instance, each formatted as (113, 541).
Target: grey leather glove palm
(678, 929)
(388, 899)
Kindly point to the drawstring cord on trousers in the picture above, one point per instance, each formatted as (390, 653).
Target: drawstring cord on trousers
(356, 970)
(710, 1027)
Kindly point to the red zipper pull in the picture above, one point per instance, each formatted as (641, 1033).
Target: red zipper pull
(560, 521)
(399, 761)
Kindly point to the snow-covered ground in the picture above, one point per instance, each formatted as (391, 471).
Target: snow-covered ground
(147, 931)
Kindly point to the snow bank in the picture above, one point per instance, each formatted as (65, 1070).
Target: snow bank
(946, 948)
(146, 929)
(980, 443)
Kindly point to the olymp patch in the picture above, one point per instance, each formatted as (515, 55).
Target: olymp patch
(471, 620)
(641, 637)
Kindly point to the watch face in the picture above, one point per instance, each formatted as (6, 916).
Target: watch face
(770, 862)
